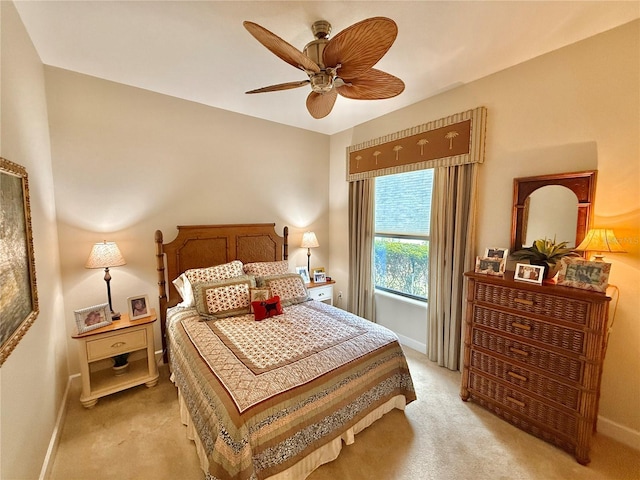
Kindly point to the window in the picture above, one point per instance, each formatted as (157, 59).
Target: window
(401, 240)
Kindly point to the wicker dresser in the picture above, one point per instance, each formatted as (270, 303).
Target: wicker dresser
(533, 356)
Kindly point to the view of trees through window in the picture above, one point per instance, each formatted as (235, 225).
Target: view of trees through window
(401, 242)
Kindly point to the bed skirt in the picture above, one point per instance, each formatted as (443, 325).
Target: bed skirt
(308, 464)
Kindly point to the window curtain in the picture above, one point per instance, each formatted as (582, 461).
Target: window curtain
(452, 248)
(361, 226)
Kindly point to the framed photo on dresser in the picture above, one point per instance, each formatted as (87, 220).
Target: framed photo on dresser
(490, 265)
(497, 252)
(580, 273)
(529, 273)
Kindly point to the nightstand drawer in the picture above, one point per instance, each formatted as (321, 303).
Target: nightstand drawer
(321, 293)
(116, 344)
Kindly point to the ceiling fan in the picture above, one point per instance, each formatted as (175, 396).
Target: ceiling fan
(342, 65)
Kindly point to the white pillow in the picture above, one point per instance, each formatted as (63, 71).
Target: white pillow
(183, 286)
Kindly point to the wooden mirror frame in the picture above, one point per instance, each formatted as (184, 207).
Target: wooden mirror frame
(583, 184)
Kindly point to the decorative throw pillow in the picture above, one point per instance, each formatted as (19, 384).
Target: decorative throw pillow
(266, 268)
(223, 298)
(267, 308)
(289, 287)
(217, 272)
(259, 295)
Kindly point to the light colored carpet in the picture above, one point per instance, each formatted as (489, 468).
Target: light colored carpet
(137, 434)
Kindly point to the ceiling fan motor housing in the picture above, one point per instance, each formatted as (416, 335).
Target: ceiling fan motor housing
(320, 82)
(314, 50)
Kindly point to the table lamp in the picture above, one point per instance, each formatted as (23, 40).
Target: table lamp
(600, 240)
(105, 255)
(309, 241)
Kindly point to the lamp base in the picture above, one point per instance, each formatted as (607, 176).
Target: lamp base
(115, 315)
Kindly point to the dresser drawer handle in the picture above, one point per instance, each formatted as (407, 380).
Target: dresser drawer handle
(518, 376)
(518, 351)
(523, 301)
(520, 326)
(118, 345)
(321, 294)
(517, 402)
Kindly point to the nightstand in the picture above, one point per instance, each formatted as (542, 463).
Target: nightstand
(322, 292)
(98, 346)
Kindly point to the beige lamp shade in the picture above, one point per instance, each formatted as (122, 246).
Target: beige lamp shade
(309, 240)
(104, 255)
(600, 240)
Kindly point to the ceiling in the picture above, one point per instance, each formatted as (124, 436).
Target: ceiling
(199, 51)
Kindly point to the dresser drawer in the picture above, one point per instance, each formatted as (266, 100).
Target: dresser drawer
(524, 378)
(540, 412)
(116, 344)
(563, 308)
(565, 367)
(528, 328)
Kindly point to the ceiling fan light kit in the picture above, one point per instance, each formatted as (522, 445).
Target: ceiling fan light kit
(340, 65)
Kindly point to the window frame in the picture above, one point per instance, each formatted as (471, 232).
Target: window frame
(404, 236)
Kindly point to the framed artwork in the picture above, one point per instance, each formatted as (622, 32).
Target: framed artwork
(90, 318)
(580, 273)
(138, 307)
(490, 265)
(318, 270)
(319, 277)
(18, 288)
(529, 273)
(304, 273)
(497, 253)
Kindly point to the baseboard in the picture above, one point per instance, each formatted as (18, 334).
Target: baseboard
(45, 471)
(618, 432)
(411, 343)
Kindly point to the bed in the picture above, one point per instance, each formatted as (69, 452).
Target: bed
(275, 398)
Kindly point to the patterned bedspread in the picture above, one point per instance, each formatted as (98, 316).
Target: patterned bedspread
(263, 395)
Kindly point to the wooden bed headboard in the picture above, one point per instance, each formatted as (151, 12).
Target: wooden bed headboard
(199, 246)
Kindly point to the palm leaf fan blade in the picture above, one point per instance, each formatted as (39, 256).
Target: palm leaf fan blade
(360, 46)
(280, 86)
(280, 47)
(320, 105)
(372, 85)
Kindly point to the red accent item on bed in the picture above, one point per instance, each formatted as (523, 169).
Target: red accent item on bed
(267, 308)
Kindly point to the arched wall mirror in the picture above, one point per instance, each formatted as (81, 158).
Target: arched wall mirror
(559, 206)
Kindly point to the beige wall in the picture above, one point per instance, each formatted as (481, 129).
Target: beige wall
(577, 108)
(34, 377)
(127, 162)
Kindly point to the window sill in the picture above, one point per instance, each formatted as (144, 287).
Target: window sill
(400, 298)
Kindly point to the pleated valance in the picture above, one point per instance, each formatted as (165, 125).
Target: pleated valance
(453, 140)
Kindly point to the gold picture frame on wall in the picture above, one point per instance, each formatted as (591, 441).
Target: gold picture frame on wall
(18, 287)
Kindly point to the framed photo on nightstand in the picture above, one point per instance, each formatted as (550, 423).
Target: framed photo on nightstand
(138, 307)
(304, 273)
(319, 277)
(90, 318)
